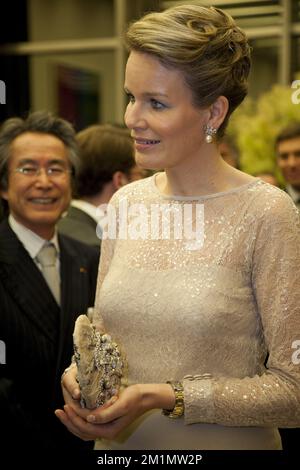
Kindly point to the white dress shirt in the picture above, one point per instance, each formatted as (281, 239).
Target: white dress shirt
(31, 241)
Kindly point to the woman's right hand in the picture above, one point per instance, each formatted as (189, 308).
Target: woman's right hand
(70, 388)
(110, 419)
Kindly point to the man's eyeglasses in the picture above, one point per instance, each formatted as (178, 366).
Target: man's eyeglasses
(53, 172)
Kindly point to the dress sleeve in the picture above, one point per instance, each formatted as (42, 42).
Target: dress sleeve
(272, 398)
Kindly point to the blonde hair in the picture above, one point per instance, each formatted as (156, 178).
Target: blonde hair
(205, 44)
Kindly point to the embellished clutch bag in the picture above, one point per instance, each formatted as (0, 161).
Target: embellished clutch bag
(99, 362)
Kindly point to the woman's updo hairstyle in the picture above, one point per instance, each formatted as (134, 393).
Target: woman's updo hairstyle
(205, 44)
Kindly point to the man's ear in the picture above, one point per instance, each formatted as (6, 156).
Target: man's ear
(3, 194)
(119, 179)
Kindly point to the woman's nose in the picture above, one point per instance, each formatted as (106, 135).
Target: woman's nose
(134, 116)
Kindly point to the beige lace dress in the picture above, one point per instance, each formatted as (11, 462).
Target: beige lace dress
(223, 317)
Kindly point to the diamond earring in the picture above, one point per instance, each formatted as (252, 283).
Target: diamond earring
(209, 133)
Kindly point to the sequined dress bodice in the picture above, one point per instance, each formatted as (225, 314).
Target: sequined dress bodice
(221, 316)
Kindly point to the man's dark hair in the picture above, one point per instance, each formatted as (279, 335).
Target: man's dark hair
(40, 122)
(103, 150)
(290, 132)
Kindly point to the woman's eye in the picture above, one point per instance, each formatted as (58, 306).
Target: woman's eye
(130, 97)
(156, 104)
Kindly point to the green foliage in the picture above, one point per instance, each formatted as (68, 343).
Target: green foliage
(255, 125)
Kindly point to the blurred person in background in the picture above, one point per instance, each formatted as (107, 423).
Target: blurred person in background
(287, 147)
(106, 164)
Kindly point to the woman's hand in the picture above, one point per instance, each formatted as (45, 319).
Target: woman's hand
(69, 384)
(110, 419)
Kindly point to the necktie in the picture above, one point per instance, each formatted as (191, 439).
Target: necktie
(47, 258)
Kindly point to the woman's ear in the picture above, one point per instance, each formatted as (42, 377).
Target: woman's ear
(218, 111)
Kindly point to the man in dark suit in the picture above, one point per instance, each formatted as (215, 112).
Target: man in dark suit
(106, 163)
(37, 159)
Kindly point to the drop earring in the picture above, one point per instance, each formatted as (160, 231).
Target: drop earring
(209, 133)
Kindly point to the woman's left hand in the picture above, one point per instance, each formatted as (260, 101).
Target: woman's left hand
(109, 420)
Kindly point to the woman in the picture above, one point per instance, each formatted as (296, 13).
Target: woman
(215, 317)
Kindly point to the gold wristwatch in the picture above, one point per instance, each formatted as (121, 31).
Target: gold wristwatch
(178, 409)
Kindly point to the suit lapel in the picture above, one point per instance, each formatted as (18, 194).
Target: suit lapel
(26, 284)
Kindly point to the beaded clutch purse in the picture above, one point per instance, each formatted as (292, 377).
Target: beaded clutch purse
(99, 362)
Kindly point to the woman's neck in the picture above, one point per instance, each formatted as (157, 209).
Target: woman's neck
(207, 177)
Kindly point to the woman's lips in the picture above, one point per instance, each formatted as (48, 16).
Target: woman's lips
(141, 144)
